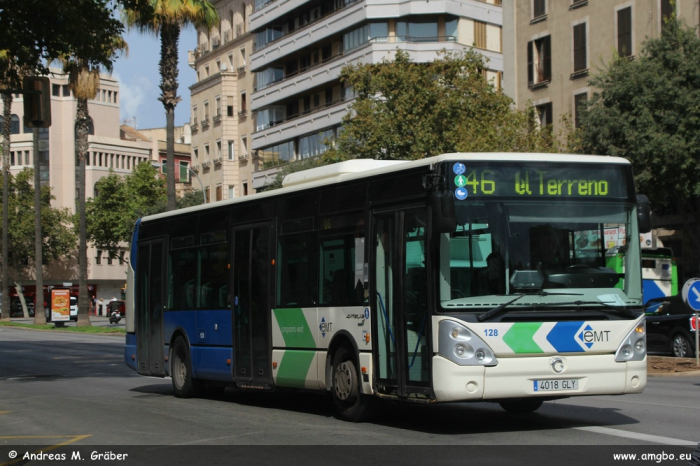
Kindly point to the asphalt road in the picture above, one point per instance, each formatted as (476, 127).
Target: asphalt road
(61, 390)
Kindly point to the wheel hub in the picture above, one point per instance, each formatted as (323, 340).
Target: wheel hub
(343, 381)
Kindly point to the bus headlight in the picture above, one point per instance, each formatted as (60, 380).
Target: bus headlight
(461, 346)
(634, 346)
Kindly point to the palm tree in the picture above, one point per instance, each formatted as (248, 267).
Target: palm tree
(166, 18)
(84, 80)
(7, 63)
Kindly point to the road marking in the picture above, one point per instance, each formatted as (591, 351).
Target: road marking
(72, 439)
(637, 436)
(5, 412)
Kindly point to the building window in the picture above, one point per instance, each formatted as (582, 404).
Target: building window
(56, 90)
(580, 48)
(579, 106)
(217, 108)
(206, 111)
(231, 151)
(544, 114)
(219, 192)
(539, 61)
(243, 106)
(624, 32)
(184, 172)
(667, 10)
(245, 189)
(539, 8)
(231, 191)
(218, 149)
(98, 257)
(206, 153)
(244, 146)
(207, 195)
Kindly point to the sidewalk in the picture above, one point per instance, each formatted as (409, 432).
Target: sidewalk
(97, 321)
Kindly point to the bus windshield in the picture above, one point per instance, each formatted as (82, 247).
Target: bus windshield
(553, 250)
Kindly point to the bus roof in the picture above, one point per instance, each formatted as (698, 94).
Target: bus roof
(362, 168)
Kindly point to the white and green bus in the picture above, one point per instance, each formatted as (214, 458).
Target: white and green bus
(421, 281)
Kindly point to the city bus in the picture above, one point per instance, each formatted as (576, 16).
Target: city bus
(659, 271)
(411, 281)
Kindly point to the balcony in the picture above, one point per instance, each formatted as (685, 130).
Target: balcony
(242, 113)
(308, 122)
(215, 42)
(243, 157)
(242, 69)
(206, 164)
(216, 118)
(205, 122)
(240, 29)
(218, 161)
(195, 168)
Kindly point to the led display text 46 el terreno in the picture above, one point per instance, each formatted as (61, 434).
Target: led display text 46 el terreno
(519, 180)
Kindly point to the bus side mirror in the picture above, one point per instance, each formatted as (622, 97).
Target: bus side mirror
(443, 206)
(643, 213)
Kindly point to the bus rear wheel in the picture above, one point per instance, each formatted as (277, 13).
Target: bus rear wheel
(524, 406)
(349, 403)
(184, 385)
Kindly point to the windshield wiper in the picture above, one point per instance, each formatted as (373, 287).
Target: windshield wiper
(501, 308)
(497, 310)
(619, 309)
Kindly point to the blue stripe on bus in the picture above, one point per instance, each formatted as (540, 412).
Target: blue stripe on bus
(651, 290)
(562, 337)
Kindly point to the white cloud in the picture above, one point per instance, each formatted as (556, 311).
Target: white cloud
(134, 94)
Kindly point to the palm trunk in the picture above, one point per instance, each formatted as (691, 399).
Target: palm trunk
(169, 37)
(6, 130)
(82, 120)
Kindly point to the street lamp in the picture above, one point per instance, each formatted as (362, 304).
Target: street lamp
(204, 196)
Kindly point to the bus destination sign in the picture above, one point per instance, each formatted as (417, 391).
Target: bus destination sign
(538, 181)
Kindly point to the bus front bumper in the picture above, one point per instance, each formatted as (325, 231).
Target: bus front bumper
(526, 377)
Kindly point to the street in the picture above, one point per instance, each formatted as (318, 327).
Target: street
(74, 389)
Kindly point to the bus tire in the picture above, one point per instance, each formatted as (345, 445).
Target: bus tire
(181, 371)
(522, 406)
(350, 405)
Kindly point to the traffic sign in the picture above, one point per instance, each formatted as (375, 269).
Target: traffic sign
(691, 293)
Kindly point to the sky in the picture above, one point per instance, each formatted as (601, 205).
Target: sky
(139, 78)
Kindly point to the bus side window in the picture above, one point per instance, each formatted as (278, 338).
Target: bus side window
(296, 270)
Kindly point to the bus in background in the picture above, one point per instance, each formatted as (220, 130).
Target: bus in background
(453, 278)
(659, 271)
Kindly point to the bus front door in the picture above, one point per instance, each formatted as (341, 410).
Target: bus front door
(251, 306)
(399, 270)
(149, 307)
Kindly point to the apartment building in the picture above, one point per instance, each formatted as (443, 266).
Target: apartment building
(221, 122)
(552, 47)
(282, 73)
(58, 167)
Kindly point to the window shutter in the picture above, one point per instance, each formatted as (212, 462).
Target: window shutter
(624, 32)
(580, 47)
(530, 64)
(546, 47)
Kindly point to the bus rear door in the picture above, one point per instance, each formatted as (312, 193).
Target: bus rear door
(150, 301)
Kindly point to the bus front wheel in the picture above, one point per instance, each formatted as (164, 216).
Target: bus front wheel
(181, 371)
(349, 403)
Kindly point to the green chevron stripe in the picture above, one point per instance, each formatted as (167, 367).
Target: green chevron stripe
(293, 368)
(519, 337)
(295, 330)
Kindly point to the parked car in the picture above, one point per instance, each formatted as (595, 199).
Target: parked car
(74, 308)
(669, 327)
(16, 307)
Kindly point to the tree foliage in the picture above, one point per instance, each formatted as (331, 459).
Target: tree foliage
(120, 201)
(36, 32)
(648, 111)
(59, 238)
(406, 110)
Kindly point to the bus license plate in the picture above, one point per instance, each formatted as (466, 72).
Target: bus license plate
(555, 385)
